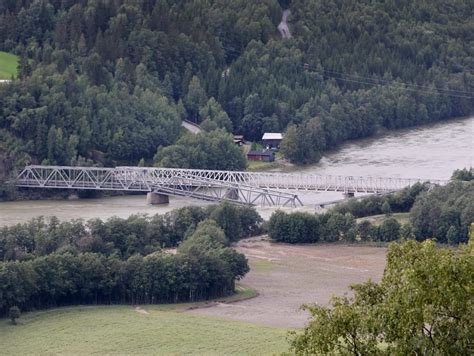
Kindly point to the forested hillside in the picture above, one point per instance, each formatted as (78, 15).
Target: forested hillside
(109, 82)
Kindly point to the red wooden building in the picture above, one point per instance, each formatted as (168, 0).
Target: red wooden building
(266, 156)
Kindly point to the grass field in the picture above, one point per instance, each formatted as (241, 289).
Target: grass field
(261, 165)
(8, 65)
(125, 330)
(402, 218)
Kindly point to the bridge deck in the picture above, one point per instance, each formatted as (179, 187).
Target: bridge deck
(244, 187)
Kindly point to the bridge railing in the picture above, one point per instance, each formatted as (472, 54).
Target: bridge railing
(294, 181)
(265, 185)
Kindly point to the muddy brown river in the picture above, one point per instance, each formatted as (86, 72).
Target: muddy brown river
(424, 152)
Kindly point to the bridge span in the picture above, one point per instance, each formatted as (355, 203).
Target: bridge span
(264, 188)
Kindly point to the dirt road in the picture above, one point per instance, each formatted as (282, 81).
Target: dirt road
(191, 127)
(283, 26)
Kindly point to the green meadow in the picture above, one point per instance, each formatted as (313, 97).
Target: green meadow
(8, 65)
(151, 329)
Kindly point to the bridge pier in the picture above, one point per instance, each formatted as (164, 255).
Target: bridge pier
(349, 195)
(155, 198)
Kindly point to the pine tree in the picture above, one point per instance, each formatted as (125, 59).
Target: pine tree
(24, 67)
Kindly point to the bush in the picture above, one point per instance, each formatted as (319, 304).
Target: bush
(13, 314)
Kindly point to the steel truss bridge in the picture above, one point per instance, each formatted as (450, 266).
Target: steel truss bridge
(252, 188)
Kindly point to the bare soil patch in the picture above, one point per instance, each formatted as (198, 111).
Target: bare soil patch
(141, 311)
(287, 276)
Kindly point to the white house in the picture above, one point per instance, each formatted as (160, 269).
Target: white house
(272, 139)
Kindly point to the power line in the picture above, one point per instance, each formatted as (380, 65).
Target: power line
(404, 86)
(400, 86)
(419, 91)
(396, 82)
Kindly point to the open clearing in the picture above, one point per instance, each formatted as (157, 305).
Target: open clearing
(286, 276)
(8, 65)
(135, 330)
(402, 218)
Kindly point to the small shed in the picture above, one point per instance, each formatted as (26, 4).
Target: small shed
(272, 139)
(266, 156)
(239, 140)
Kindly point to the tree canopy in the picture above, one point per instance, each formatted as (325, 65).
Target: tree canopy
(205, 150)
(52, 263)
(444, 213)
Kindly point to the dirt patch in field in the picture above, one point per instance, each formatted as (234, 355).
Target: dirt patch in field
(141, 311)
(287, 276)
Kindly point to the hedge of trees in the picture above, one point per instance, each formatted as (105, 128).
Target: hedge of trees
(398, 202)
(331, 227)
(46, 264)
(444, 213)
(108, 82)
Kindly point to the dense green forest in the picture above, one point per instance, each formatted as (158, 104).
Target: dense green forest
(108, 82)
(45, 264)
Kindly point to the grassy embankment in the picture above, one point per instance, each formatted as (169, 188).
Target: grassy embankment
(8, 65)
(151, 329)
(255, 166)
(402, 218)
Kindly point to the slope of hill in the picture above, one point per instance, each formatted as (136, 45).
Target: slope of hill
(111, 81)
(125, 330)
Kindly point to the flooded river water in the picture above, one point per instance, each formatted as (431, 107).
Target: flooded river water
(424, 152)
(428, 152)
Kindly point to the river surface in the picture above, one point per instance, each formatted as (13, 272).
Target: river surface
(425, 152)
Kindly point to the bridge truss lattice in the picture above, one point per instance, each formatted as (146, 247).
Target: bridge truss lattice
(177, 182)
(255, 188)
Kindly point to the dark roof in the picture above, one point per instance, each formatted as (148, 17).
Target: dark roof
(260, 153)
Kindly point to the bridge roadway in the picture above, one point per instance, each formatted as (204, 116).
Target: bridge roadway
(264, 188)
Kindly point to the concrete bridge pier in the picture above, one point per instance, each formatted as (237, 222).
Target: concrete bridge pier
(155, 198)
(349, 195)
